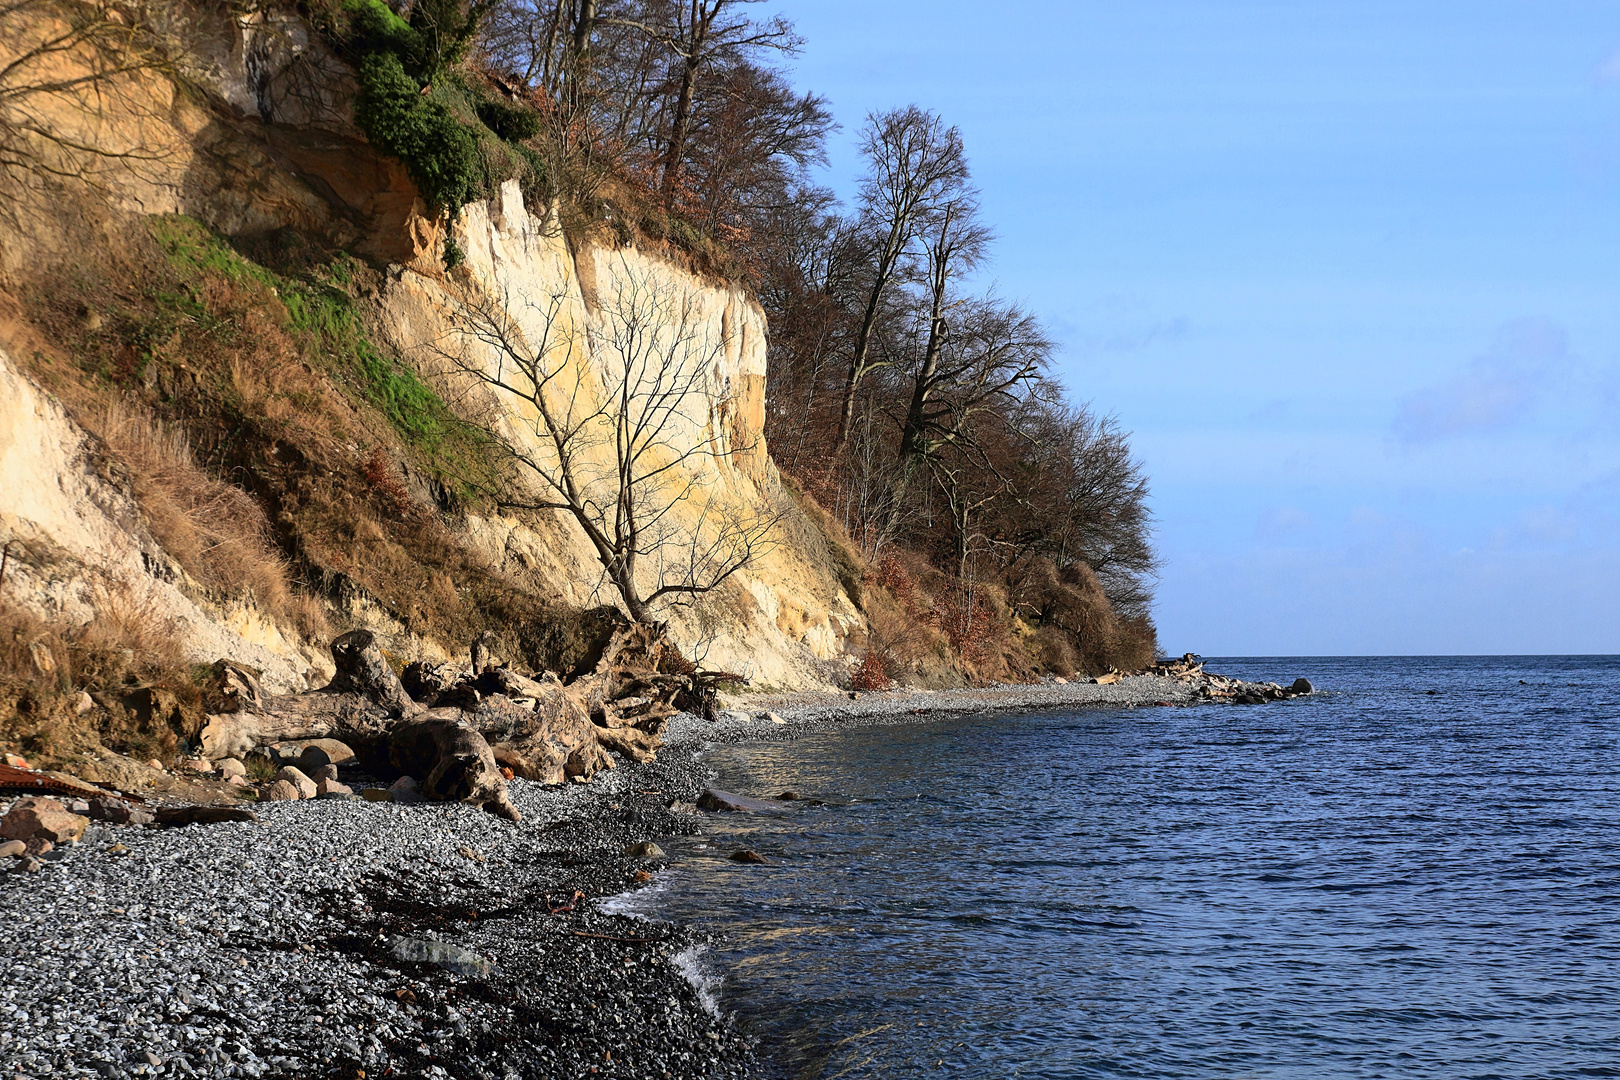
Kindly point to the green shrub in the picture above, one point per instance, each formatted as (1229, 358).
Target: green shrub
(439, 152)
(511, 123)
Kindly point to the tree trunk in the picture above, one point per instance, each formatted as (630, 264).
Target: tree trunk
(677, 132)
(863, 338)
(702, 19)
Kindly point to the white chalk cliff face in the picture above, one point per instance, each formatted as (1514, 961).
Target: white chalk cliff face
(780, 620)
(79, 548)
(270, 158)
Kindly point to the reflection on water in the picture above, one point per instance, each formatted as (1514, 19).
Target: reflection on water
(1376, 881)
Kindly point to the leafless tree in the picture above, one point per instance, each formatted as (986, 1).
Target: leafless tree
(914, 163)
(619, 452)
(70, 100)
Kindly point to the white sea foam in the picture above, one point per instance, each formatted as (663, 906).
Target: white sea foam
(689, 962)
(637, 903)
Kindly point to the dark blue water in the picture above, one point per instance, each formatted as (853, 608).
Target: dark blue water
(1375, 881)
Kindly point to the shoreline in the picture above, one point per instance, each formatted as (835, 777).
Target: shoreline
(273, 948)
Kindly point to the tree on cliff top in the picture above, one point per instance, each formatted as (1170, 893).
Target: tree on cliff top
(620, 451)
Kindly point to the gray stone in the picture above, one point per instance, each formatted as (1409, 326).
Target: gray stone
(405, 790)
(441, 954)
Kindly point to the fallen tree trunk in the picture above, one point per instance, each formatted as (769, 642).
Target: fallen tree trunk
(486, 719)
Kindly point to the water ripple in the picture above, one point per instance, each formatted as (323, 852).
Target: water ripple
(1374, 882)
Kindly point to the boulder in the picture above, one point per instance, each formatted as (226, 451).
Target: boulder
(12, 849)
(42, 818)
(325, 772)
(38, 846)
(231, 768)
(773, 718)
(229, 735)
(420, 950)
(336, 751)
(1302, 686)
(330, 786)
(313, 758)
(644, 850)
(405, 790)
(280, 791)
(747, 855)
(300, 782)
(374, 794)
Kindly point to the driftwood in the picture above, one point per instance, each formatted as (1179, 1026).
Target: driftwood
(459, 728)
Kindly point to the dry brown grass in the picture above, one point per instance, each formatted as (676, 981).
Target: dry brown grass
(44, 666)
(1078, 627)
(216, 531)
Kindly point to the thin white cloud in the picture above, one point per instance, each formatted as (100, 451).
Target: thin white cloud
(1494, 391)
(1609, 70)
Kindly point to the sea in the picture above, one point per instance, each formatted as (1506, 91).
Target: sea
(1414, 872)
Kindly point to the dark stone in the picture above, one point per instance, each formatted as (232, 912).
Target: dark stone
(203, 815)
(118, 812)
(747, 856)
(1302, 686)
(715, 799)
(312, 759)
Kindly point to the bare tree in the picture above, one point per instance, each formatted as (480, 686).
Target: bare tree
(70, 100)
(621, 452)
(914, 162)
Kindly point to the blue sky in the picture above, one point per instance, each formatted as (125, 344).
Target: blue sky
(1349, 272)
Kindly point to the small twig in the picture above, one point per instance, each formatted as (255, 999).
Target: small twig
(572, 902)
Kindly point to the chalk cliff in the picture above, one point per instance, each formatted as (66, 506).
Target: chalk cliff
(260, 143)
